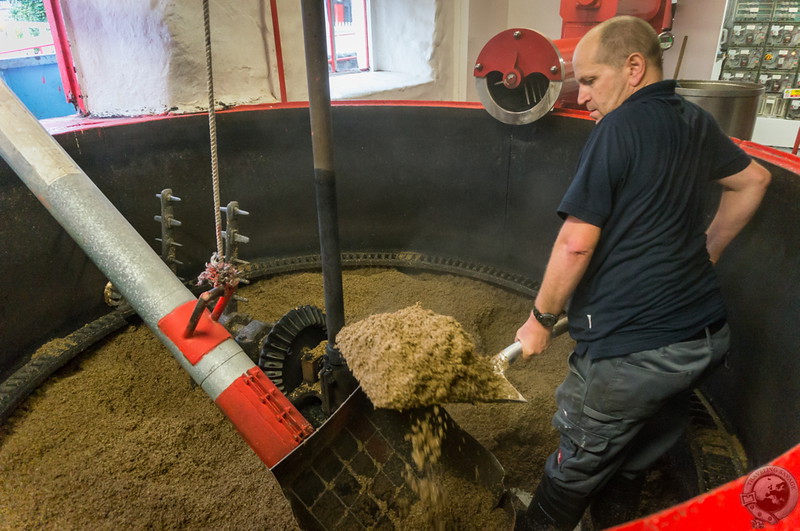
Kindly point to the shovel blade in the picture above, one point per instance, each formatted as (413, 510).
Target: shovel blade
(353, 468)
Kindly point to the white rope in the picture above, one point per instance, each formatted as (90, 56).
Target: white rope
(212, 129)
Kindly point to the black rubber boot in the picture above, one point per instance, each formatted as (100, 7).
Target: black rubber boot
(534, 519)
(618, 502)
(552, 509)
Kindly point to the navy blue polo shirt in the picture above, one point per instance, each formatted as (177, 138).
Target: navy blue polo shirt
(643, 177)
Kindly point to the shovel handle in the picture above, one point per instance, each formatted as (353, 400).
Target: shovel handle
(511, 353)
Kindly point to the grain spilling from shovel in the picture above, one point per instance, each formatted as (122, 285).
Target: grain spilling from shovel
(414, 357)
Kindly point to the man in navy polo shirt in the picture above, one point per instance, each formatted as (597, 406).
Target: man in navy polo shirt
(636, 259)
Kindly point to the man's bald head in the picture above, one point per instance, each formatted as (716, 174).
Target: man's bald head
(619, 37)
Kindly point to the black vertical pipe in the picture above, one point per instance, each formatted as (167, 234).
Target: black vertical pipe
(336, 379)
(319, 102)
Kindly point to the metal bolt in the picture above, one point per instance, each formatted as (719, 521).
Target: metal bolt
(511, 77)
(478, 67)
(517, 34)
(553, 69)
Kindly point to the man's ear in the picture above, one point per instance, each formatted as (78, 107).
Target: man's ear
(635, 68)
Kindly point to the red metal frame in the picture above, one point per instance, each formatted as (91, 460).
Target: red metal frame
(366, 33)
(796, 142)
(276, 31)
(66, 65)
(580, 16)
(331, 36)
(330, 26)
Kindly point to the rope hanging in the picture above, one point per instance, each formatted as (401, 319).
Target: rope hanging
(223, 276)
(212, 130)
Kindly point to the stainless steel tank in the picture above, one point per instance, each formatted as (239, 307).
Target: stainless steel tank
(733, 104)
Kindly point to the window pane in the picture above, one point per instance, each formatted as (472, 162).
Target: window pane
(349, 27)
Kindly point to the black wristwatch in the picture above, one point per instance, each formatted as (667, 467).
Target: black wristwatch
(547, 320)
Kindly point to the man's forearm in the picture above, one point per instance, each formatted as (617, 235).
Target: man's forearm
(735, 210)
(740, 200)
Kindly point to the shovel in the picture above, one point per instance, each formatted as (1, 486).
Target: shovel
(503, 360)
(352, 470)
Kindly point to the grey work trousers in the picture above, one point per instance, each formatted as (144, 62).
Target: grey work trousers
(618, 415)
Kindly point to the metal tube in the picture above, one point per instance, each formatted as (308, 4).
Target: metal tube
(224, 372)
(319, 101)
(106, 237)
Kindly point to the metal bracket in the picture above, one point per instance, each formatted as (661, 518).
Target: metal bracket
(168, 221)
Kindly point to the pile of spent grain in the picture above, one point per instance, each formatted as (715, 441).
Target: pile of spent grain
(414, 357)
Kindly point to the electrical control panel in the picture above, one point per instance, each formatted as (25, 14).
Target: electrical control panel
(761, 44)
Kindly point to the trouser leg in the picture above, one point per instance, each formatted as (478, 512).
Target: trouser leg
(603, 406)
(657, 436)
(664, 429)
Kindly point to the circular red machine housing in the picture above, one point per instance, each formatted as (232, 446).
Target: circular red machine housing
(521, 75)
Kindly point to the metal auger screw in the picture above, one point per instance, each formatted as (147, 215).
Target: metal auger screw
(517, 34)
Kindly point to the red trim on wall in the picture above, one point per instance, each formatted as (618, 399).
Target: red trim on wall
(63, 125)
(66, 65)
(276, 31)
(782, 159)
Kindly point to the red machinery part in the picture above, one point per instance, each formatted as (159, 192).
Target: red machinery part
(207, 335)
(524, 52)
(263, 416)
(520, 75)
(579, 16)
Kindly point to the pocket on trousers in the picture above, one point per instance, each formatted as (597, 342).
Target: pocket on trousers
(642, 390)
(585, 439)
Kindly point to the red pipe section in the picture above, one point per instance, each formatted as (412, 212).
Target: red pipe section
(262, 415)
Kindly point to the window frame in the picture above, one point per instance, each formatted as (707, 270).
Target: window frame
(331, 35)
(66, 64)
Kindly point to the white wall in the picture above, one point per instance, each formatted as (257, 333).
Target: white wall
(700, 21)
(147, 56)
(539, 15)
(411, 22)
(486, 19)
(122, 52)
